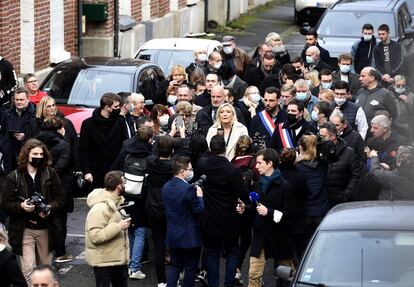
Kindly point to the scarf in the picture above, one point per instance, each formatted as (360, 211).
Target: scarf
(266, 181)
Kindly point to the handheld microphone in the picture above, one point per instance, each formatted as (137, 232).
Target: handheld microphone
(254, 197)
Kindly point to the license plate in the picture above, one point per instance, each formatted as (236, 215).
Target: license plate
(323, 4)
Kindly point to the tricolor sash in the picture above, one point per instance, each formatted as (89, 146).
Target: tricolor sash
(267, 122)
(171, 110)
(285, 137)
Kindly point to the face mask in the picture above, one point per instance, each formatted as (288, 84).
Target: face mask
(37, 162)
(131, 108)
(345, 69)
(291, 118)
(399, 90)
(227, 50)
(309, 59)
(189, 177)
(217, 65)
(115, 113)
(298, 72)
(164, 120)
(314, 116)
(326, 86)
(309, 82)
(278, 49)
(367, 37)
(301, 96)
(171, 99)
(202, 57)
(340, 101)
(255, 97)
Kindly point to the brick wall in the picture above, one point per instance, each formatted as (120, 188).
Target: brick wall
(136, 12)
(104, 29)
(164, 8)
(182, 3)
(10, 32)
(71, 26)
(42, 33)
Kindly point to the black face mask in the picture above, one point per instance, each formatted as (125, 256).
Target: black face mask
(37, 162)
(291, 118)
(298, 72)
(115, 113)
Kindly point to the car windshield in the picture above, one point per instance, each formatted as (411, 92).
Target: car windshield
(168, 58)
(345, 258)
(94, 83)
(349, 24)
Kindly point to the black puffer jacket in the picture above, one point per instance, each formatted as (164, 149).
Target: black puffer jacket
(10, 270)
(344, 171)
(355, 141)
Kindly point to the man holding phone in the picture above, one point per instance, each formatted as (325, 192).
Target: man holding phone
(106, 236)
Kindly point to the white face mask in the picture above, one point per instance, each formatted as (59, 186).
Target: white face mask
(217, 65)
(340, 101)
(255, 97)
(164, 120)
(345, 69)
(367, 37)
(172, 99)
(202, 57)
(228, 50)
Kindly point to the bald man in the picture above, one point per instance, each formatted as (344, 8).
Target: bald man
(314, 61)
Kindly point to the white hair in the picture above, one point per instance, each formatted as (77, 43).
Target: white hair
(382, 120)
(135, 97)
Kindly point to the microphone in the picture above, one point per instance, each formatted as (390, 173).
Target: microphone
(254, 197)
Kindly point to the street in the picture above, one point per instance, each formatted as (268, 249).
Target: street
(278, 18)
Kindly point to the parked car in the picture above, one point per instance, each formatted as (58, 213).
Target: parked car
(341, 25)
(360, 244)
(310, 10)
(173, 51)
(78, 84)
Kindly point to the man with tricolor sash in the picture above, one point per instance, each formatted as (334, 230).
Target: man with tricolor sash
(288, 134)
(264, 123)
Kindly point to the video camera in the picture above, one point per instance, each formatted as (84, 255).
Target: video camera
(325, 150)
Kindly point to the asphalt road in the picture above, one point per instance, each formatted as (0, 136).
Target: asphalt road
(279, 18)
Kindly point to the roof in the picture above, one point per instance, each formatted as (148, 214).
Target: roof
(180, 44)
(367, 5)
(370, 215)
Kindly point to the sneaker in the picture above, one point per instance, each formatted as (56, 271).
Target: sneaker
(137, 275)
(162, 284)
(202, 277)
(238, 279)
(64, 258)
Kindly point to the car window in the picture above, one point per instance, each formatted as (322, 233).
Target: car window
(148, 55)
(410, 4)
(92, 84)
(60, 84)
(168, 58)
(347, 23)
(344, 258)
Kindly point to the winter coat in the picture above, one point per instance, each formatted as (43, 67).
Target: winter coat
(405, 120)
(396, 184)
(274, 237)
(355, 141)
(100, 143)
(324, 54)
(221, 192)
(11, 275)
(395, 55)
(159, 172)
(258, 129)
(363, 54)
(106, 243)
(8, 81)
(314, 172)
(239, 60)
(344, 171)
(52, 190)
(353, 81)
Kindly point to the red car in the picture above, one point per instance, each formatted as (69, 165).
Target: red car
(78, 84)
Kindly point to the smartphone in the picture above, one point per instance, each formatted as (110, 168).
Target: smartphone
(14, 131)
(220, 132)
(179, 121)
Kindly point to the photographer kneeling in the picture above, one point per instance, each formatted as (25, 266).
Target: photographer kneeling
(32, 195)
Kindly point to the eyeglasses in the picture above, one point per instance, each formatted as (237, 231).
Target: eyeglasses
(32, 81)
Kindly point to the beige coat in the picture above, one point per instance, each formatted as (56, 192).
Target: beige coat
(106, 243)
(237, 131)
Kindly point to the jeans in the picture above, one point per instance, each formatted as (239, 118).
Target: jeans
(115, 276)
(213, 248)
(136, 243)
(183, 258)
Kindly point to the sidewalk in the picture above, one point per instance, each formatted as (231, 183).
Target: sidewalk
(275, 16)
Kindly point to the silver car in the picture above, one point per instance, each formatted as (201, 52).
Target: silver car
(310, 10)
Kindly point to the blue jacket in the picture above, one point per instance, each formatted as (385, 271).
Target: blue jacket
(182, 209)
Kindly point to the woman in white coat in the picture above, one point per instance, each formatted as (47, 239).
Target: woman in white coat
(226, 123)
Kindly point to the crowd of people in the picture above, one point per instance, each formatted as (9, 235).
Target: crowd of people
(236, 153)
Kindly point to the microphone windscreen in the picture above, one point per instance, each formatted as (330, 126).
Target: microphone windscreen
(254, 197)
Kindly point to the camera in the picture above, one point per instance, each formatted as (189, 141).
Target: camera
(259, 142)
(38, 201)
(325, 150)
(201, 181)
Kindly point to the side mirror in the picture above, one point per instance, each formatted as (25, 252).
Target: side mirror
(284, 273)
(304, 28)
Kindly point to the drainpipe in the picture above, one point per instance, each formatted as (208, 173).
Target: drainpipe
(206, 16)
(116, 28)
(228, 11)
(80, 35)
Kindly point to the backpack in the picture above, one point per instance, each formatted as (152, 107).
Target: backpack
(248, 175)
(134, 173)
